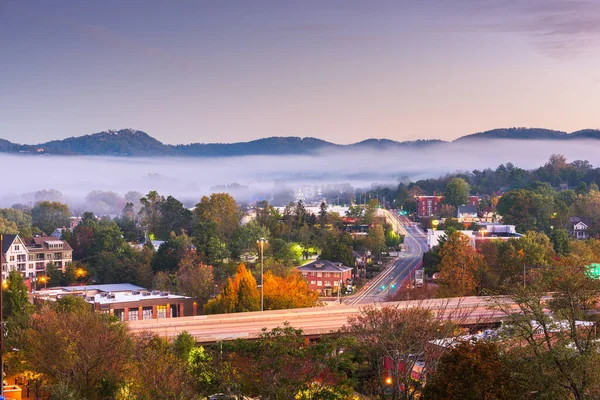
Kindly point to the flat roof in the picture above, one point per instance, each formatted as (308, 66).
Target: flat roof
(114, 287)
(128, 298)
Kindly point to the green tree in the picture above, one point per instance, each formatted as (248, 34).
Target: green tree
(457, 192)
(174, 217)
(560, 241)
(8, 227)
(48, 216)
(473, 371)
(171, 252)
(337, 249)
(220, 210)
(183, 345)
(376, 240)
(150, 212)
(18, 217)
(15, 296)
(370, 213)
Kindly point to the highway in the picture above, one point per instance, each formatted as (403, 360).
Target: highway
(313, 321)
(384, 286)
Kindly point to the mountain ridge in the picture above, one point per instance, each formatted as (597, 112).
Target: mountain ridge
(135, 143)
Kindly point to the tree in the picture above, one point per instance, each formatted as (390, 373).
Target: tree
(157, 372)
(459, 267)
(527, 209)
(555, 354)
(282, 365)
(246, 236)
(15, 296)
(194, 278)
(171, 252)
(336, 249)
(370, 213)
(391, 340)
(127, 224)
(183, 345)
(150, 213)
(50, 215)
(560, 241)
(174, 217)
(8, 227)
(288, 292)
(19, 218)
(239, 294)
(457, 192)
(73, 345)
(220, 210)
(376, 240)
(473, 371)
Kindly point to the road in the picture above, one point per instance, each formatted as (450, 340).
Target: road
(384, 286)
(313, 321)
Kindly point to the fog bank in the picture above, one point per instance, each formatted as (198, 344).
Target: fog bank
(190, 178)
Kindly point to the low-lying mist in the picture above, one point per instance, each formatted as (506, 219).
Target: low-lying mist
(190, 178)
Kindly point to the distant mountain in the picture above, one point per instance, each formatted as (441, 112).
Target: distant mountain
(517, 133)
(126, 142)
(133, 143)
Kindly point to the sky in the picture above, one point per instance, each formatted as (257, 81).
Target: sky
(226, 71)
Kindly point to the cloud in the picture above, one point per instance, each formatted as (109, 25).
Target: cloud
(557, 28)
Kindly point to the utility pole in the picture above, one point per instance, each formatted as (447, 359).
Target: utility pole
(262, 242)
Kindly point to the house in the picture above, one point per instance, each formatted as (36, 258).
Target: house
(45, 250)
(14, 256)
(125, 301)
(326, 276)
(58, 232)
(32, 256)
(579, 229)
(466, 213)
(429, 206)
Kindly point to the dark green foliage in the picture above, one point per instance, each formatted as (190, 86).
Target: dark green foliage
(48, 216)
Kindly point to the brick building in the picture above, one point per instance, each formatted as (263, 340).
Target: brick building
(429, 206)
(126, 301)
(325, 276)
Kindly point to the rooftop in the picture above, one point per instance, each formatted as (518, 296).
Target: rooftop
(324, 266)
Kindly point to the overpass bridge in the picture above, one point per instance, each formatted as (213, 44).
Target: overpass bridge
(315, 321)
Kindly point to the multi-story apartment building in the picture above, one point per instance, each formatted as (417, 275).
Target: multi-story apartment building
(32, 256)
(326, 277)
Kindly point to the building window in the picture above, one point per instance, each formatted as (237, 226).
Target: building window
(16, 247)
(147, 313)
(336, 283)
(319, 274)
(161, 311)
(119, 313)
(12, 258)
(313, 282)
(133, 314)
(319, 283)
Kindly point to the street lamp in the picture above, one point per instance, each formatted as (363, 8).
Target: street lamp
(44, 280)
(262, 242)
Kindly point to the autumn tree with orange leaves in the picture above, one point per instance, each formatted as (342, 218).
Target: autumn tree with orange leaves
(242, 294)
(460, 267)
(291, 291)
